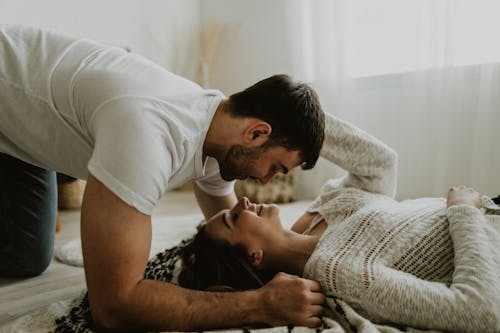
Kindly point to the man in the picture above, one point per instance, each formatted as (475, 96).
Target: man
(134, 131)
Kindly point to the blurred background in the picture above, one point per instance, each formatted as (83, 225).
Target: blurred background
(421, 75)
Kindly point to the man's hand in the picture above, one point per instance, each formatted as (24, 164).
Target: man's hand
(462, 195)
(290, 299)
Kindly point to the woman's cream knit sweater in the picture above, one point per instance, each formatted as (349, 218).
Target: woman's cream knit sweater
(413, 262)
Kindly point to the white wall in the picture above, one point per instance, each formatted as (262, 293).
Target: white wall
(445, 133)
(166, 31)
(253, 41)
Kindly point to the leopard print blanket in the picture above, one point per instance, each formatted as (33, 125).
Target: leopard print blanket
(165, 266)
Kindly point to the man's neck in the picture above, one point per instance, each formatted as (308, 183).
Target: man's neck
(222, 133)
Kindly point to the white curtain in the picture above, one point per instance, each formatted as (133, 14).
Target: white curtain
(422, 75)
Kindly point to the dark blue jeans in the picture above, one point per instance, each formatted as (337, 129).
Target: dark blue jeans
(28, 203)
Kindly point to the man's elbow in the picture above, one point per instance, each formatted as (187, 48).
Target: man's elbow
(109, 316)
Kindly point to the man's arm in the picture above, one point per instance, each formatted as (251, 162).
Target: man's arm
(211, 205)
(116, 241)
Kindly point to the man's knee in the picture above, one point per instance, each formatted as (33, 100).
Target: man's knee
(28, 204)
(36, 265)
(27, 261)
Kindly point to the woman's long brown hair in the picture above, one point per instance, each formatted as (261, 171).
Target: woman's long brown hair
(208, 266)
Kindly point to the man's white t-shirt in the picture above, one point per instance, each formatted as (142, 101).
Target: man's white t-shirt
(78, 106)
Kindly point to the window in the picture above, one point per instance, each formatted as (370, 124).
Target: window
(393, 36)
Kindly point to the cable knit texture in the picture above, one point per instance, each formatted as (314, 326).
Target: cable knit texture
(412, 262)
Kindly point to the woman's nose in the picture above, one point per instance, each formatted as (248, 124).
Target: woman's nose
(245, 203)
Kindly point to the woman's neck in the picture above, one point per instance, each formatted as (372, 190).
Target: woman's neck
(291, 252)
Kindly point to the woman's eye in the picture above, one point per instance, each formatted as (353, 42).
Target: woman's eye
(234, 216)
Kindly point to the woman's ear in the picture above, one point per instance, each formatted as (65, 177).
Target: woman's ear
(257, 133)
(256, 257)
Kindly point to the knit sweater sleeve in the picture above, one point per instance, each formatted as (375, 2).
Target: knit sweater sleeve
(371, 164)
(471, 303)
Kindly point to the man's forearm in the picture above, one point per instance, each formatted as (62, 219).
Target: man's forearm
(156, 305)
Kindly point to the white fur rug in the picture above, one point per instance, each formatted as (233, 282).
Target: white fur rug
(167, 232)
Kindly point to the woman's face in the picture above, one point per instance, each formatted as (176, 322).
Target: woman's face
(246, 224)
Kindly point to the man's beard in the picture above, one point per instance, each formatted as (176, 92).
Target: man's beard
(238, 162)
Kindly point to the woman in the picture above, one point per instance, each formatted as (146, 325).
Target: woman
(428, 263)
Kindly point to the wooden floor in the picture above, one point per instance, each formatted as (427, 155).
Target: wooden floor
(60, 281)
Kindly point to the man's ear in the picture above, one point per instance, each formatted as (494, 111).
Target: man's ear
(257, 133)
(256, 257)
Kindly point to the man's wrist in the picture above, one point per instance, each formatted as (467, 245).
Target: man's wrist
(257, 312)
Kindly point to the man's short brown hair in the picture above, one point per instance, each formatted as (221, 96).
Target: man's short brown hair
(291, 108)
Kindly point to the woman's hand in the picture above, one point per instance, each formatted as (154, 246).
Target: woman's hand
(461, 195)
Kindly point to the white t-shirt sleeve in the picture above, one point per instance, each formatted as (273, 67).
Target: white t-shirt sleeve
(212, 183)
(132, 155)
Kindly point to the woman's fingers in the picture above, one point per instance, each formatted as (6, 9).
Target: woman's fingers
(463, 195)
